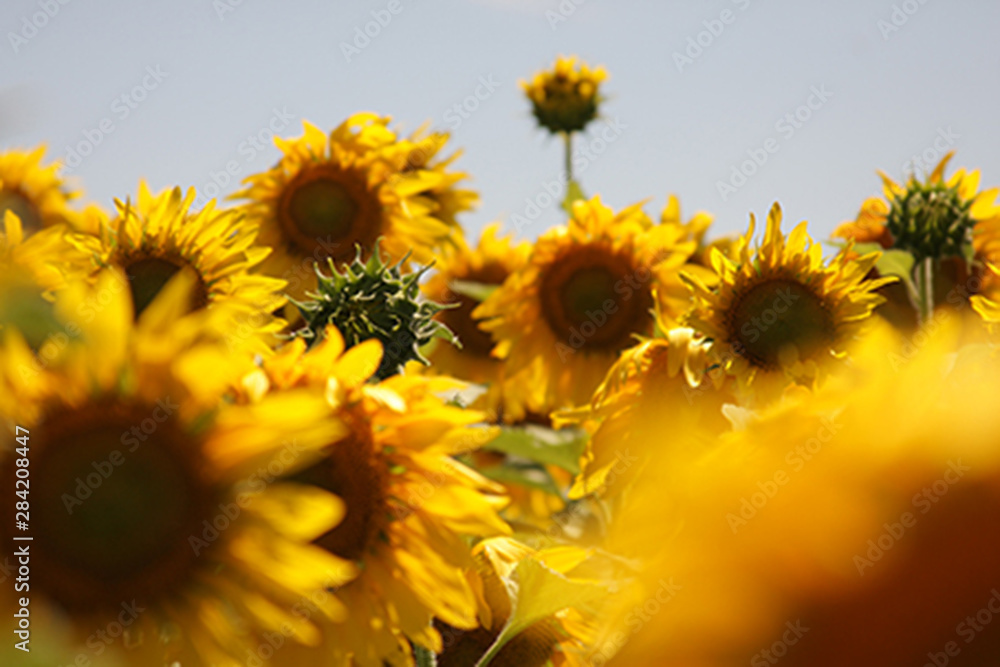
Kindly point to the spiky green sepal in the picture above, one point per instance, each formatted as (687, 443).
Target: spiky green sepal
(375, 300)
(931, 220)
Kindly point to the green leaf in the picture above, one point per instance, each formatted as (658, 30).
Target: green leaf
(541, 592)
(562, 448)
(478, 291)
(969, 254)
(867, 247)
(531, 476)
(573, 193)
(896, 262)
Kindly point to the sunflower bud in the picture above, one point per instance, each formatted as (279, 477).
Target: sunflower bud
(931, 220)
(566, 98)
(375, 300)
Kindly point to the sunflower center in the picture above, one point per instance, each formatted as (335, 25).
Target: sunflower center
(593, 299)
(352, 472)
(148, 275)
(21, 206)
(115, 497)
(777, 315)
(330, 211)
(474, 340)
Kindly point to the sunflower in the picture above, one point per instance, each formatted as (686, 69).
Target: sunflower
(780, 314)
(695, 230)
(45, 257)
(565, 98)
(489, 264)
(668, 379)
(34, 193)
(147, 514)
(158, 236)
(586, 291)
(408, 503)
(32, 269)
(535, 608)
(930, 218)
(949, 223)
(440, 184)
(851, 525)
(329, 195)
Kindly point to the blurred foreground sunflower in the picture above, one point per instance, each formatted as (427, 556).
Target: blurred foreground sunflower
(409, 505)
(780, 314)
(328, 195)
(148, 519)
(668, 379)
(852, 525)
(588, 288)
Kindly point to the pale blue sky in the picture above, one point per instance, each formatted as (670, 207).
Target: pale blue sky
(227, 69)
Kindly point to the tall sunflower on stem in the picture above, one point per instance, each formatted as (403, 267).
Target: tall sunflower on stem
(940, 236)
(564, 100)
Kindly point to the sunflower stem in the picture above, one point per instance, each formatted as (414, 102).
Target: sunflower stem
(925, 289)
(568, 143)
(492, 652)
(424, 657)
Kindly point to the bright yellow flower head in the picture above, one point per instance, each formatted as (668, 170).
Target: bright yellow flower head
(409, 504)
(489, 263)
(588, 289)
(145, 505)
(565, 98)
(780, 313)
(330, 194)
(853, 525)
(157, 236)
(34, 193)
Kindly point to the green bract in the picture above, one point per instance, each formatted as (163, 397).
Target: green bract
(374, 300)
(931, 220)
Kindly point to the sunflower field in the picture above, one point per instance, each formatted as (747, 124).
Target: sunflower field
(315, 423)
